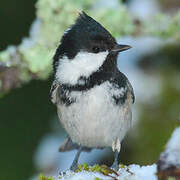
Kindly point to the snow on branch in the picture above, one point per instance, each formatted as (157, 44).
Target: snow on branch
(169, 162)
(167, 167)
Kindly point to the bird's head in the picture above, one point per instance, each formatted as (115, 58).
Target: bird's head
(83, 49)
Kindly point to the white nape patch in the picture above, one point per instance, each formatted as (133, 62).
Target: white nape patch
(67, 30)
(83, 64)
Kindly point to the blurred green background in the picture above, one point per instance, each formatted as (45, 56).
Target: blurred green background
(27, 115)
(16, 18)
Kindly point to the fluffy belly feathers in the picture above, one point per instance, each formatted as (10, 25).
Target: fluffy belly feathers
(94, 120)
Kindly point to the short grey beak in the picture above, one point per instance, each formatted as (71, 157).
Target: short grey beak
(120, 48)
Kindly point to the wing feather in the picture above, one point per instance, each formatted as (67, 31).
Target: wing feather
(53, 92)
(131, 91)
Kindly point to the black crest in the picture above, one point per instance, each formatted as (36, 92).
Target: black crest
(85, 35)
(90, 26)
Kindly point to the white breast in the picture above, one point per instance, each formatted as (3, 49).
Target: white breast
(94, 120)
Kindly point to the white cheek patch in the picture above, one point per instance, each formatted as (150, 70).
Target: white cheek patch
(83, 64)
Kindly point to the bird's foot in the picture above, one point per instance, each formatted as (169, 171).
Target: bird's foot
(62, 173)
(74, 167)
(116, 146)
(115, 166)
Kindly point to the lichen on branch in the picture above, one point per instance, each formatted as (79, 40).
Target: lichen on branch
(32, 59)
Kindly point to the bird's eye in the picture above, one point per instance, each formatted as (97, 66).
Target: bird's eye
(96, 49)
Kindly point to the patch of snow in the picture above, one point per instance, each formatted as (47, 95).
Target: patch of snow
(171, 155)
(174, 142)
(83, 175)
(143, 172)
(132, 172)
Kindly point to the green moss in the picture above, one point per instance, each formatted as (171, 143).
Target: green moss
(122, 166)
(42, 177)
(103, 169)
(96, 178)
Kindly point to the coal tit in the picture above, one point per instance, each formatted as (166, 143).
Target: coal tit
(92, 96)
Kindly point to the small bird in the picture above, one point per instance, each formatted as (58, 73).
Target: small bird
(92, 96)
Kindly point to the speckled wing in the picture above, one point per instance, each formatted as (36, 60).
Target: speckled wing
(122, 81)
(131, 90)
(53, 91)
